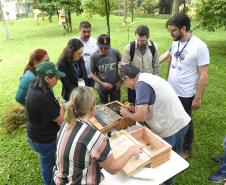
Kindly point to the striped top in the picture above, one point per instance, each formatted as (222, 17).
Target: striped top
(80, 148)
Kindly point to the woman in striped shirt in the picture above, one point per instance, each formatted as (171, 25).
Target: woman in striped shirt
(81, 149)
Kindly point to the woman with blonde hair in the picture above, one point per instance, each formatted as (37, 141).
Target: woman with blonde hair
(81, 149)
(36, 57)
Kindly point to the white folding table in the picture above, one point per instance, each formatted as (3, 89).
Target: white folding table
(149, 176)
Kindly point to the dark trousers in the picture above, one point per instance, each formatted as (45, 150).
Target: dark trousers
(104, 95)
(189, 136)
(131, 96)
(90, 82)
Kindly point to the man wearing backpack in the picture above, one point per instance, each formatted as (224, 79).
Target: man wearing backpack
(143, 54)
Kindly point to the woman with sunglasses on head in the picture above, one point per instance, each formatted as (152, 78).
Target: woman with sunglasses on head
(81, 149)
(72, 64)
(36, 57)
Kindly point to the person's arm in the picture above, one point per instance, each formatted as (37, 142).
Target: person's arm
(126, 56)
(140, 113)
(112, 165)
(65, 80)
(169, 65)
(203, 70)
(59, 120)
(164, 56)
(105, 85)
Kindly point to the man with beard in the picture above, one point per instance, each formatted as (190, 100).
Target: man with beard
(143, 54)
(90, 47)
(188, 69)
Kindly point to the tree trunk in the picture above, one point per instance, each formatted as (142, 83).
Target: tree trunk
(4, 22)
(69, 21)
(50, 17)
(107, 12)
(125, 9)
(175, 9)
(132, 10)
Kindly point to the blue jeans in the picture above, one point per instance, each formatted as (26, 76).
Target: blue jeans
(46, 153)
(104, 94)
(175, 141)
(223, 166)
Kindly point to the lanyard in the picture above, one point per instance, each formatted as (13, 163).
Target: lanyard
(77, 70)
(178, 53)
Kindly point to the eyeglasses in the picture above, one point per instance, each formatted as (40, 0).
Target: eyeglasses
(173, 30)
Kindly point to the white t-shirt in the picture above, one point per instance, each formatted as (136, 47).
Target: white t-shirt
(90, 47)
(184, 72)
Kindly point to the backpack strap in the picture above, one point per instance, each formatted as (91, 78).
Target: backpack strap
(152, 49)
(132, 50)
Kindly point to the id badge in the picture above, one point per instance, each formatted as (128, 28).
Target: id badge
(81, 83)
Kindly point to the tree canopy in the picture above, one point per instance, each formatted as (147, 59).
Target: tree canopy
(211, 14)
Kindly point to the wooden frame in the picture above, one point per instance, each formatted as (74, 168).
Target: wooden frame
(159, 148)
(156, 151)
(119, 124)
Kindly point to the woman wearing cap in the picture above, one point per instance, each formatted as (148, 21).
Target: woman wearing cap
(81, 149)
(45, 116)
(72, 64)
(36, 57)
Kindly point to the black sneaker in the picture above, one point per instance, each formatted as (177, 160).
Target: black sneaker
(217, 177)
(218, 159)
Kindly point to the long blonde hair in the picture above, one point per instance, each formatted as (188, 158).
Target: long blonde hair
(81, 102)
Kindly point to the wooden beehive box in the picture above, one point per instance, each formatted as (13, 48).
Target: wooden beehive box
(159, 148)
(120, 143)
(119, 122)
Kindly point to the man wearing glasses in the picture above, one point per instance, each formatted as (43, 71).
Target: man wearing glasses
(188, 69)
(104, 70)
(143, 54)
(90, 46)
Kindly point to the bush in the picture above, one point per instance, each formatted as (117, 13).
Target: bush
(14, 117)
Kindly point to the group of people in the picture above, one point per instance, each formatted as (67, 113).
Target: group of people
(163, 106)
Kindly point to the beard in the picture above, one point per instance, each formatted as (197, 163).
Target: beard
(179, 37)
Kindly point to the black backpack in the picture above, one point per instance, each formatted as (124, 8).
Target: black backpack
(132, 50)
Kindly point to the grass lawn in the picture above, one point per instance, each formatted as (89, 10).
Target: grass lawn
(19, 165)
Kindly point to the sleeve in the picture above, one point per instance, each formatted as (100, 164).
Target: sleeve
(65, 80)
(92, 63)
(101, 148)
(126, 55)
(119, 56)
(47, 109)
(155, 64)
(145, 94)
(203, 57)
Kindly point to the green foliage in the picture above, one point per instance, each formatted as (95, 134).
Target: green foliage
(98, 7)
(150, 6)
(13, 117)
(211, 14)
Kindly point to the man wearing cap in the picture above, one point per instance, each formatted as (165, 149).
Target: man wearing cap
(45, 116)
(157, 105)
(142, 53)
(104, 70)
(90, 47)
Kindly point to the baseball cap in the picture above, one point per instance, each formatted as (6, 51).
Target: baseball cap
(48, 68)
(104, 41)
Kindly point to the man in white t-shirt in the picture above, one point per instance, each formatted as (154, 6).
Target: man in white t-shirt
(90, 47)
(188, 69)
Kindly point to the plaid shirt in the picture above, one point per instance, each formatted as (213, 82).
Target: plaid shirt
(80, 148)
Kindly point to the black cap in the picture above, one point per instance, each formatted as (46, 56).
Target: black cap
(104, 41)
